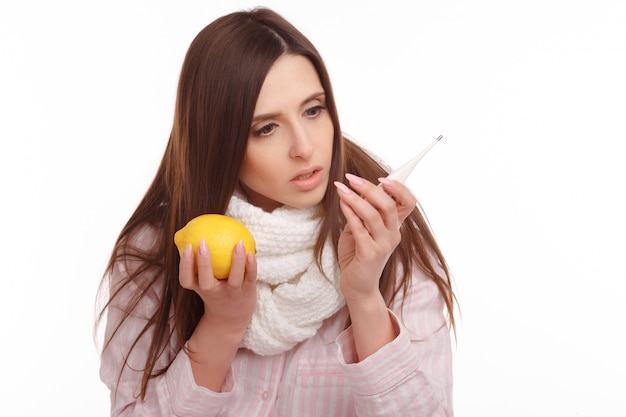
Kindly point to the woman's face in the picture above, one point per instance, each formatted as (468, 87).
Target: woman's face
(289, 151)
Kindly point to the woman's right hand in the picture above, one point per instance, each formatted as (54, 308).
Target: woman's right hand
(228, 308)
(229, 302)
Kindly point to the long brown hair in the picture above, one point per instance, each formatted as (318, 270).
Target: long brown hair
(220, 80)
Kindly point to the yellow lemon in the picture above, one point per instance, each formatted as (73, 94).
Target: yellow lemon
(221, 234)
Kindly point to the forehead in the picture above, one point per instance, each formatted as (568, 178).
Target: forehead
(291, 79)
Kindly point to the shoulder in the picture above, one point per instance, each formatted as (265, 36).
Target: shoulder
(137, 257)
(144, 238)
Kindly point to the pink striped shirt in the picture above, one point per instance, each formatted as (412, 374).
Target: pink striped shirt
(320, 377)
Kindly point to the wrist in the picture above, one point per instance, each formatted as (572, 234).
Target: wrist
(356, 291)
(210, 332)
(366, 307)
(372, 326)
(367, 301)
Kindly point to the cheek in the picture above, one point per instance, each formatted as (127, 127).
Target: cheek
(247, 169)
(255, 168)
(329, 136)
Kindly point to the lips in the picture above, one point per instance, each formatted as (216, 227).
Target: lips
(306, 173)
(304, 176)
(307, 179)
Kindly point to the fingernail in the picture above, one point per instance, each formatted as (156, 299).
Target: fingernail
(188, 251)
(240, 250)
(342, 187)
(387, 182)
(202, 248)
(250, 257)
(354, 180)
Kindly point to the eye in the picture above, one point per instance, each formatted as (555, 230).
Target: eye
(314, 111)
(265, 130)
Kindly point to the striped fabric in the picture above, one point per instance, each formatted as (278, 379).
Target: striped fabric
(411, 376)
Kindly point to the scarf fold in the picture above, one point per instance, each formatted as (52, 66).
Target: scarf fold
(293, 296)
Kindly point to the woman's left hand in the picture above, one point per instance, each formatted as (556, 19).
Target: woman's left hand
(374, 216)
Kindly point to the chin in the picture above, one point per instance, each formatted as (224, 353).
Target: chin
(306, 202)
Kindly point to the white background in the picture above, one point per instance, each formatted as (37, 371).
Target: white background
(525, 192)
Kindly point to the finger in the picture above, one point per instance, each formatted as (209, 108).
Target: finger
(405, 201)
(360, 215)
(186, 274)
(237, 266)
(378, 199)
(251, 271)
(354, 223)
(206, 279)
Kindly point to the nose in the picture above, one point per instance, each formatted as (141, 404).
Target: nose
(301, 143)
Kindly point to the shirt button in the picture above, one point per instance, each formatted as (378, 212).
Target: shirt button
(265, 395)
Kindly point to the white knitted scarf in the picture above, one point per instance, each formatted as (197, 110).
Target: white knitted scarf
(293, 295)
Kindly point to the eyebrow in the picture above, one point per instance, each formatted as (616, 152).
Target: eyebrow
(314, 96)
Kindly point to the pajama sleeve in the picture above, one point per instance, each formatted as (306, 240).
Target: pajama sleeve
(412, 375)
(174, 392)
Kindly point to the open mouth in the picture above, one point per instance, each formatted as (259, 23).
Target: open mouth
(305, 176)
(309, 180)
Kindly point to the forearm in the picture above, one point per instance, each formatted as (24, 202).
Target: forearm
(372, 326)
(212, 349)
(173, 393)
(412, 378)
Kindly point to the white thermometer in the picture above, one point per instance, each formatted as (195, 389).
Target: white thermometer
(403, 172)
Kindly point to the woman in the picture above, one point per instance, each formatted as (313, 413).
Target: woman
(341, 311)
